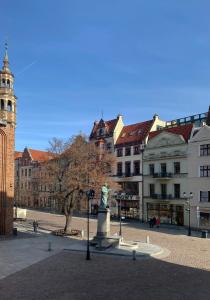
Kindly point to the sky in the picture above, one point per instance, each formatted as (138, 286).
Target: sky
(75, 61)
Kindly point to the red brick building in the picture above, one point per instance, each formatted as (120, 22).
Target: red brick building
(7, 142)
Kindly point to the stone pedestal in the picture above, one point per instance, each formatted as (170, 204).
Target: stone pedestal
(103, 239)
(103, 228)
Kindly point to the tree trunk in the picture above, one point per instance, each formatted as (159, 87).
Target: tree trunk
(67, 228)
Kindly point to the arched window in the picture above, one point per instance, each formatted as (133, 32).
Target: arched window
(8, 83)
(9, 106)
(2, 104)
(3, 82)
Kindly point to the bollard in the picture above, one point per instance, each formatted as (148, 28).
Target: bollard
(49, 246)
(134, 254)
(147, 239)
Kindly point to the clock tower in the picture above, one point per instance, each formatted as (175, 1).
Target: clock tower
(7, 144)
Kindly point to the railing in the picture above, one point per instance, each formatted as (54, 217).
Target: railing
(167, 175)
(127, 174)
(165, 196)
(162, 175)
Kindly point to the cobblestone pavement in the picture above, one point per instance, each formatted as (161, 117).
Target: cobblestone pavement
(184, 274)
(184, 250)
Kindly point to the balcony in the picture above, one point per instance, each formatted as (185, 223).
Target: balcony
(165, 197)
(127, 174)
(163, 175)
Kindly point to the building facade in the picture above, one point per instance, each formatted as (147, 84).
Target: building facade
(166, 174)
(199, 176)
(31, 189)
(7, 143)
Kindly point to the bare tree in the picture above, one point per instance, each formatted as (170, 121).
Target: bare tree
(77, 166)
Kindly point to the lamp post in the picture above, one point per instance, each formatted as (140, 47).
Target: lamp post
(90, 195)
(188, 198)
(120, 232)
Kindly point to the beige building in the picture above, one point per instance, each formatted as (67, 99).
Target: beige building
(29, 192)
(127, 143)
(199, 176)
(165, 175)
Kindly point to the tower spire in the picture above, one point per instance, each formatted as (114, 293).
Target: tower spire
(6, 60)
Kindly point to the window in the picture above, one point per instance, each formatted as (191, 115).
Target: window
(127, 151)
(2, 104)
(204, 219)
(9, 106)
(22, 172)
(25, 172)
(163, 167)
(127, 168)
(29, 172)
(177, 191)
(151, 190)
(119, 169)
(8, 83)
(163, 190)
(205, 150)
(205, 196)
(176, 167)
(136, 150)
(205, 171)
(151, 169)
(136, 167)
(119, 152)
(109, 146)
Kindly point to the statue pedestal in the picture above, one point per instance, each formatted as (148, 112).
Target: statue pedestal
(103, 239)
(103, 228)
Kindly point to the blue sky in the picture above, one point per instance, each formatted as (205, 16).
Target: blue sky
(73, 59)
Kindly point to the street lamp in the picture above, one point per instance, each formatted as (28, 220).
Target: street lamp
(90, 195)
(188, 198)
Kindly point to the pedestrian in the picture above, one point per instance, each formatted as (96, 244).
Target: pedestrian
(150, 222)
(35, 225)
(158, 222)
(153, 222)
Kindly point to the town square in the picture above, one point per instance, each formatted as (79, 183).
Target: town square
(105, 150)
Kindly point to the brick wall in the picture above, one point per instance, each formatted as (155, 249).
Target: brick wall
(6, 178)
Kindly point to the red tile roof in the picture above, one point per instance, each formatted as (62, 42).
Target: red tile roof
(39, 155)
(18, 154)
(109, 126)
(184, 130)
(135, 133)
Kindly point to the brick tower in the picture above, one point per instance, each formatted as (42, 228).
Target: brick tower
(7, 143)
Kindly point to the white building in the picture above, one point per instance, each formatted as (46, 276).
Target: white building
(199, 176)
(165, 174)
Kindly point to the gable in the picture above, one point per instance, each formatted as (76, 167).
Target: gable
(202, 134)
(165, 139)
